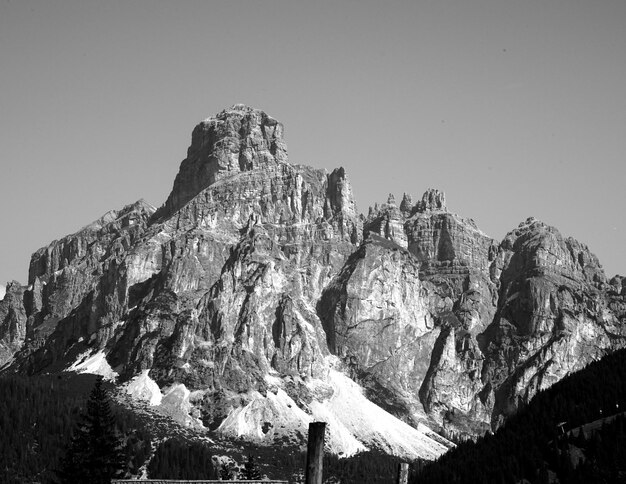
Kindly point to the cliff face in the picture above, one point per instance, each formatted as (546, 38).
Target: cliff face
(236, 140)
(556, 313)
(256, 288)
(12, 322)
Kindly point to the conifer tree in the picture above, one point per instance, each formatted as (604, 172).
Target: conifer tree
(226, 471)
(251, 470)
(94, 455)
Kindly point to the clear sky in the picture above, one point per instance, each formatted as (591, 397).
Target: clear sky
(513, 108)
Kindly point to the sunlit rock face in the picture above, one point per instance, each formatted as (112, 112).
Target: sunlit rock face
(388, 220)
(238, 139)
(376, 316)
(556, 313)
(432, 363)
(258, 282)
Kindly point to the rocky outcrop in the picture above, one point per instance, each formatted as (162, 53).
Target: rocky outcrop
(388, 221)
(376, 319)
(499, 322)
(452, 260)
(420, 349)
(257, 283)
(432, 200)
(79, 286)
(238, 139)
(554, 314)
(12, 322)
(285, 233)
(438, 238)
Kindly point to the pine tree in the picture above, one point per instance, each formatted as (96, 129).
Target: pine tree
(226, 471)
(251, 470)
(94, 455)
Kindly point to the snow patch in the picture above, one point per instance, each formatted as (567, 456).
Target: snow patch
(3, 291)
(371, 424)
(176, 404)
(273, 380)
(354, 424)
(142, 387)
(340, 439)
(277, 409)
(93, 363)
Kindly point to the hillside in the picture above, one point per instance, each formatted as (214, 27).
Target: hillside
(544, 440)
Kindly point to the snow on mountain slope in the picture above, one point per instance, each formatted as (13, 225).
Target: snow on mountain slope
(281, 415)
(354, 424)
(372, 425)
(144, 388)
(269, 417)
(176, 404)
(95, 363)
(173, 401)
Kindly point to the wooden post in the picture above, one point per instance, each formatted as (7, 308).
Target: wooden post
(315, 453)
(403, 473)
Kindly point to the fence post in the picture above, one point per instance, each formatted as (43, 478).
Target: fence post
(403, 473)
(315, 453)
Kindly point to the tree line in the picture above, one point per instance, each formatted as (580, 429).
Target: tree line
(63, 428)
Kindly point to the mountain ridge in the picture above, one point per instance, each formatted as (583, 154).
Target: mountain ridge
(257, 268)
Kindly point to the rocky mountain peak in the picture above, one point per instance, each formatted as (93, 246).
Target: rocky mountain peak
(542, 248)
(406, 205)
(236, 140)
(12, 321)
(618, 284)
(259, 289)
(432, 200)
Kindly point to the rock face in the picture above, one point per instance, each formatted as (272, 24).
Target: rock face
(236, 140)
(12, 322)
(252, 293)
(555, 314)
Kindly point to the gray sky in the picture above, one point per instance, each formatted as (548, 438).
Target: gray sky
(514, 109)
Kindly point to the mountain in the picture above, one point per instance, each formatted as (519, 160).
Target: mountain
(257, 298)
(574, 432)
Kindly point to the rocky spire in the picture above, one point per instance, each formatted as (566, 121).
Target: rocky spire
(406, 205)
(432, 200)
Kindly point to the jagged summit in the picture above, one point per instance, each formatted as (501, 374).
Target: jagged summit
(236, 140)
(406, 205)
(238, 109)
(126, 214)
(543, 248)
(390, 221)
(432, 200)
